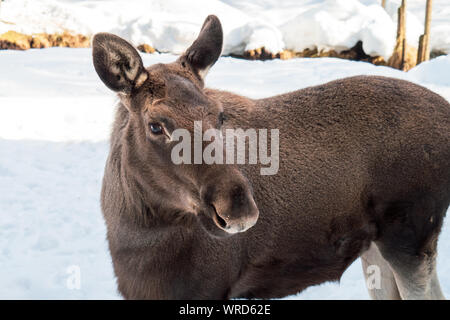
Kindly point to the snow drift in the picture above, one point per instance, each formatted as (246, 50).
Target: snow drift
(171, 25)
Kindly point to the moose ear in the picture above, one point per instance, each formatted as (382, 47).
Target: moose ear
(117, 63)
(205, 51)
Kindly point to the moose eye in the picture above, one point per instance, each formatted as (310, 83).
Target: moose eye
(222, 118)
(156, 128)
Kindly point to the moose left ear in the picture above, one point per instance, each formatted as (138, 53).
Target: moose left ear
(118, 64)
(205, 51)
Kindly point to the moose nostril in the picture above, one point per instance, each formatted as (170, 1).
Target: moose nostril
(222, 223)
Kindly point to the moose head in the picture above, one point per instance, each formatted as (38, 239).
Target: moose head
(159, 100)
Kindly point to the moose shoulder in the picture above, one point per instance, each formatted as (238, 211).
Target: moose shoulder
(364, 171)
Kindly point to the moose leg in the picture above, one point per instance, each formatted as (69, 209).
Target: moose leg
(409, 244)
(435, 288)
(379, 277)
(418, 281)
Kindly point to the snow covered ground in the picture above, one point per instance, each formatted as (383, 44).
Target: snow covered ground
(55, 118)
(171, 25)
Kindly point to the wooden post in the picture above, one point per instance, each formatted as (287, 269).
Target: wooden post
(428, 16)
(423, 53)
(401, 33)
(383, 4)
(403, 57)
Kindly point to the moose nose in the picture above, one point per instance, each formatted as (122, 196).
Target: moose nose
(240, 225)
(237, 212)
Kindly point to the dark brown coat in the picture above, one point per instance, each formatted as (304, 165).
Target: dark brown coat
(362, 160)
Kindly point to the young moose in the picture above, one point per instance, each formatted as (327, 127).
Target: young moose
(364, 171)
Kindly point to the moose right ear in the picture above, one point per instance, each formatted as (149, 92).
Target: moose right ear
(206, 49)
(117, 63)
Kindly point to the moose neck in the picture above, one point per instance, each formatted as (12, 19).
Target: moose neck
(239, 111)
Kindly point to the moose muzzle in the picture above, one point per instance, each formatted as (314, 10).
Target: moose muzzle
(230, 204)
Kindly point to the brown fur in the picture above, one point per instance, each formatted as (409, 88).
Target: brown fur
(362, 159)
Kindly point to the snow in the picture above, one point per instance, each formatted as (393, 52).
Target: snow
(55, 118)
(171, 25)
(340, 24)
(433, 71)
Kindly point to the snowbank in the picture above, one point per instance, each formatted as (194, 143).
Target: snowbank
(168, 25)
(171, 25)
(433, 71)
(339, 25)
